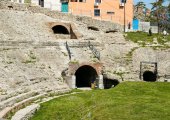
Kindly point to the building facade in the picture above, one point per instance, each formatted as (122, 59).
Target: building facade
(51, 4)
(111, 10)
(108, 10)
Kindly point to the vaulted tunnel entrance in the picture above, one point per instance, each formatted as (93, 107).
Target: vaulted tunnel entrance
(85, 75)
(109, 83)
(149, 76)
(59, 29)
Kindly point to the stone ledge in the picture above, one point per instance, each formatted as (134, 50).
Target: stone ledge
(26, 113)
(9, 102)
(26, 102)
(19, 105)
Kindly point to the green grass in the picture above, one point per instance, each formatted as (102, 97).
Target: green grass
(142, 38)
(127, 101)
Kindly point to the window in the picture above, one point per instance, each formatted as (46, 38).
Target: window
(73, 0)
(96, 12)
(110, 12)
(98, 1)
(123, 1)
(82, 0)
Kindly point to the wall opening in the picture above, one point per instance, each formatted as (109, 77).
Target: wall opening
(85, 76)
(41, 3)
(149, 76)
(93, 28)
(59, 29)
(109, 83)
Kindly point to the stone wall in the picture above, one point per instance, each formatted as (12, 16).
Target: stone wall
(150, 55)
(103, 25)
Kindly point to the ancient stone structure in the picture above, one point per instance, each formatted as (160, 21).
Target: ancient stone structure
(93, 74)
(34, 62)
(64, 30)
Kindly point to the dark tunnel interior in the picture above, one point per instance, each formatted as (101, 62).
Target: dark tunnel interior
(149, 76)
(85, 75)
(59, 29)
(109, 83)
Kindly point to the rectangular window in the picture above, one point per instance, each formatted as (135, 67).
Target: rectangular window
(98, 1)
(96, 12)
(123, 1)
(110, 12)
(82, 0)
(73, 0)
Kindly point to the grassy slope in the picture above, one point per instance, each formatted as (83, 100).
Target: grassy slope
(129, 100)
(142, 38)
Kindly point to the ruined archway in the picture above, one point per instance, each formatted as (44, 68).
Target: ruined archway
(149, 76)
(85, 75)
(59, 29)
(109, 83)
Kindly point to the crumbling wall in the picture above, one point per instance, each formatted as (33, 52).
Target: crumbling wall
(103, 25)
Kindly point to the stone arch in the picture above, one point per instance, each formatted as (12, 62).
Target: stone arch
(67, 27)
(59, 29)
(85, 76)
(149, 76)
(64, 25)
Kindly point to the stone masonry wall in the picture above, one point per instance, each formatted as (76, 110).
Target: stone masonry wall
(103, 25)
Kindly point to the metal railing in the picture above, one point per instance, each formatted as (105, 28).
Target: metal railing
(68, 50)
(94, 50)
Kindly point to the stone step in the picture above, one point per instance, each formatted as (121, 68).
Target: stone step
(19, 105)
(28, 43)
(11, 101)
(26, 113)
(12, 94)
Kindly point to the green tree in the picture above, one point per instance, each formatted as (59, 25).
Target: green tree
(157, 10)
(141, 5)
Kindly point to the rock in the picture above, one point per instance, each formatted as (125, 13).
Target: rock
(26, 113)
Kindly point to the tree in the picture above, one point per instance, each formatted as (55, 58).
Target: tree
(169, 7)
(157, 10)
(141, 5)
(139, 11)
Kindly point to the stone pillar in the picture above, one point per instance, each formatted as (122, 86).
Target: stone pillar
(73, 82)
(101, 82)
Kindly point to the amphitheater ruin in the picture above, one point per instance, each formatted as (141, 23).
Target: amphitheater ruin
(45, 52)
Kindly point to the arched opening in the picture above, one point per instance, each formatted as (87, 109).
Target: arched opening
(59, 29)
(109, 83)
(149, 76)
(85, 75)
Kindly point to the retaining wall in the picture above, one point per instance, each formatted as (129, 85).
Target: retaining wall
(103, 25)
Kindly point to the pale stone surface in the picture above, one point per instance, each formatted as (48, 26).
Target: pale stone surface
(32, 59)
(26, 113)
(150, 55)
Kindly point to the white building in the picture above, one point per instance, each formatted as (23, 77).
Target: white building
(51, 4)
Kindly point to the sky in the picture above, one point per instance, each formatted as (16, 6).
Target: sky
(147, 2)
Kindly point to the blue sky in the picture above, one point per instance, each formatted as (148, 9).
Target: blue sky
(147, 2)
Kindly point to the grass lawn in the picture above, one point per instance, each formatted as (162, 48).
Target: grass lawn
(142, 38)
(127, 101)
